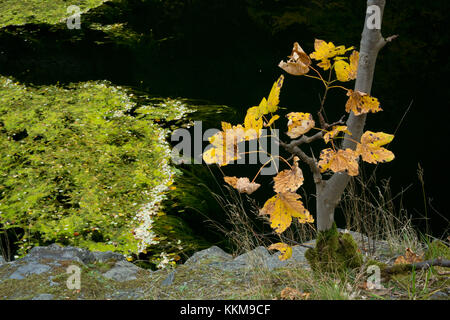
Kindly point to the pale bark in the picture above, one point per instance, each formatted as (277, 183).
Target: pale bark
(329, 192)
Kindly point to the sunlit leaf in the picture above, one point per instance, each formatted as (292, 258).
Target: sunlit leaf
(285, 249)
(371, 149)
(339, 161)
(253, 120)
(334, 132)
(272, 120)
(324, 51)
(281, 208)
(347, 71)
(299, 123)
(360, 103)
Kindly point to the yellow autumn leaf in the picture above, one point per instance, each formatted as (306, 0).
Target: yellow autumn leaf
(339, 161)
(285, 249)
(225, 145)
(324, 51)
(281, 208)
(371, 149)
(298, 62)
(272, 120)
(242, 184)
(289, 180)
(274, 96)
(299, 123)
(360, 103)
(253, 122)
(334, 132)
(347, 71)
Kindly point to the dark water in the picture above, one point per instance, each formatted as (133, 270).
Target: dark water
(227, 52)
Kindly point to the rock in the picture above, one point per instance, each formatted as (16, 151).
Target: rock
(58, 253)
(108, 255)
(43, 296)
(298, 256)
(2, 261)
(254, 258)
(169, 280)
(122, 271)
(28, 269)
(439, 296)
(208, 256)
(126, 295)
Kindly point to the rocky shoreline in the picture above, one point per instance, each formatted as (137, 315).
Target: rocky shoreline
(43, 273)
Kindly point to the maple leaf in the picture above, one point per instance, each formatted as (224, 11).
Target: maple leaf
(325, 51)
(360, 102)
(285, 249)
(281, 208)
(298, 63)
(289, 180)
(339, 161)
(408, 258)
(299, 123)
(347, 71)
(242, 184)
(253, 123)
(270, 104)
(225, 145)
(334, 132)
(371, 149)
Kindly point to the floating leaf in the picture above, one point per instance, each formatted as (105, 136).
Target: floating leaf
(347, 71)
(334, 132)
(242, 184)
(299, 123)
(281, 208)
(340, 161)
(298, 63)
(370, 147)
(285, 249)
(289, 180)
(360, 103)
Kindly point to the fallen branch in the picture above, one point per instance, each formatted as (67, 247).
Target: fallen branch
(424, 265)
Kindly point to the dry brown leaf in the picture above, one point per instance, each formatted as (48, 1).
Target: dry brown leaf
(242, 184)
(293, 294)
(340, 161)
(289, 180)
(408, 258)
(298, 63)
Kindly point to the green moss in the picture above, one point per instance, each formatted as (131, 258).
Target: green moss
(437, 249)
(20, 12)
(334, 252)
(76, 166)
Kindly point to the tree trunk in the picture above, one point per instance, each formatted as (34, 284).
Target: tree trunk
(329, 192)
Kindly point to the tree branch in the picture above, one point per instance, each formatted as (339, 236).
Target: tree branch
(311, 162)
(424, 265)
(305, 139)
